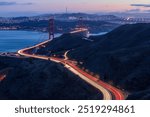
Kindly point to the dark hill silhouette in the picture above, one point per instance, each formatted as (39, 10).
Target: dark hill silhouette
(39, 79)
(121, 56)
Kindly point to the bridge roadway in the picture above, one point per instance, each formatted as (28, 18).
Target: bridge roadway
(109, 92)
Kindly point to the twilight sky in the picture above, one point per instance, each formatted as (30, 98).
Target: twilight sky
(34, 7)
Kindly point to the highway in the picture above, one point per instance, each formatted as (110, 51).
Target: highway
(117, 92)
(109, 92)
(106, 93)
(70, 67)
(65, 55)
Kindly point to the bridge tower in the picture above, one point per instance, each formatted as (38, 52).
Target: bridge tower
(81, 22)
(51, 28)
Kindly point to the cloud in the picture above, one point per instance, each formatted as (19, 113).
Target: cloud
(141, 5)
(7, 3)
(133, 10)
(14, 3)
(29, 3)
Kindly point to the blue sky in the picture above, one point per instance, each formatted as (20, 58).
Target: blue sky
(34, 7)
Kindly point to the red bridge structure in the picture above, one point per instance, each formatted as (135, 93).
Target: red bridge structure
(51, 28)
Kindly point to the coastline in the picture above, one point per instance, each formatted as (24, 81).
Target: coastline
(23, 30)
(27, 39)
(13, 40)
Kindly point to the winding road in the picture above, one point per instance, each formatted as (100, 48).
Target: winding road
(109, 92)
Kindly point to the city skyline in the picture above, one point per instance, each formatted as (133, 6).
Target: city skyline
(36, 7)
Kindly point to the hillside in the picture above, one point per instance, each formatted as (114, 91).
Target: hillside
(62, 44)
(122, 57)
(37, 79)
